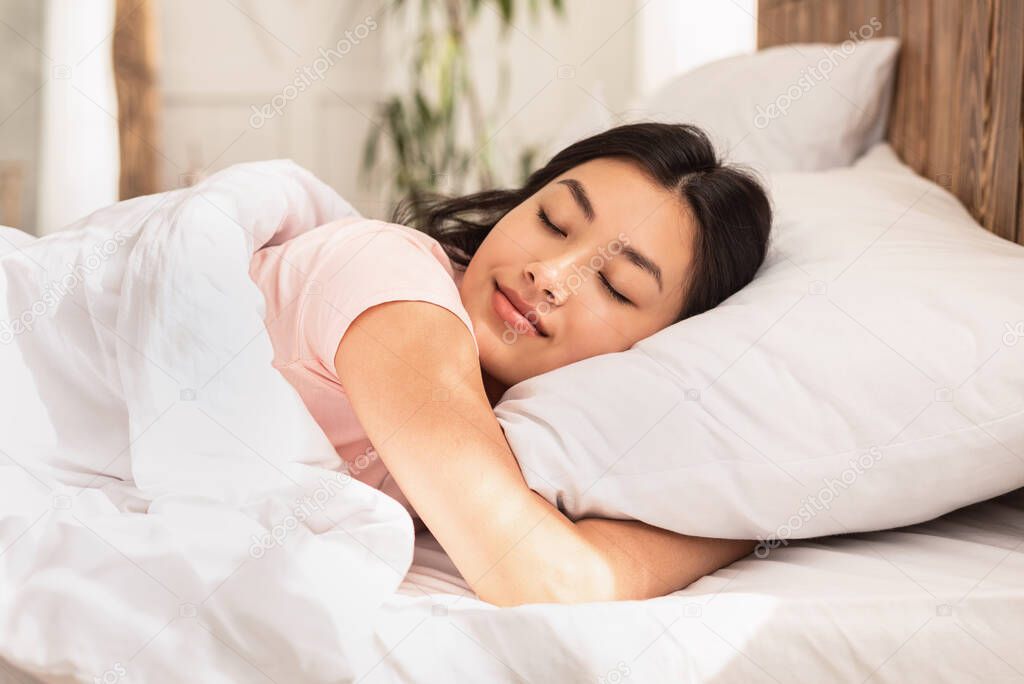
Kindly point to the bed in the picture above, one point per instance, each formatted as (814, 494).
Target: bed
(937, 601)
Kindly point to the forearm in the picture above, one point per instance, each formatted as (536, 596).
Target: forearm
(513, 546)
(645, 561)
(509, 543)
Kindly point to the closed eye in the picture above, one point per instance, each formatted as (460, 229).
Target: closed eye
(616, 295)
(543, 216)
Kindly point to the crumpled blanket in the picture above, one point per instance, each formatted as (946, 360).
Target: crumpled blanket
(168, 507)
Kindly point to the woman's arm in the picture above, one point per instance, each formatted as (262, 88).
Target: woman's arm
(420, 398)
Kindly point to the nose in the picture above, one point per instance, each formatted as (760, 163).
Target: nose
(547, 278)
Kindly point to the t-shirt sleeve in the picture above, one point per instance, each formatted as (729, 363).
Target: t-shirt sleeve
(365, 264)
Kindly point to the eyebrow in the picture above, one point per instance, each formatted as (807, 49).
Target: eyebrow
(644, 263)
(579, 194)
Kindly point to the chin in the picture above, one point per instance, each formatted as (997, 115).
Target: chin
(497, 361)
(490, 361)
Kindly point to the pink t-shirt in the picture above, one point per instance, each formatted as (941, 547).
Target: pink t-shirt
(316, 284)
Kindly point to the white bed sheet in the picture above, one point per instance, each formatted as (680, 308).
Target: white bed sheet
(939, 601)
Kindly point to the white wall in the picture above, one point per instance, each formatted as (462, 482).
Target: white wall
(220, 59)
(678, 35)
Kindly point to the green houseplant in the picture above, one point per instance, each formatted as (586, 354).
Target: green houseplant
(419, 128)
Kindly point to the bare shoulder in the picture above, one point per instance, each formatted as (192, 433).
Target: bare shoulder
(405, 339)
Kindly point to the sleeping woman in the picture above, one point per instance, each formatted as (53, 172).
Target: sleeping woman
(401, 337)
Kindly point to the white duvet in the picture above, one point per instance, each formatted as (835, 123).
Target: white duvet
(168, 507)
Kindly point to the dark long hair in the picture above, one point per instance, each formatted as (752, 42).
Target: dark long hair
(732, 211)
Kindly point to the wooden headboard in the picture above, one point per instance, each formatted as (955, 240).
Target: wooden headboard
(956, 117)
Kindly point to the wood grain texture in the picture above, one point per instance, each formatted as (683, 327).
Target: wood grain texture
(957, 113)
(12, 181)
(134, 53)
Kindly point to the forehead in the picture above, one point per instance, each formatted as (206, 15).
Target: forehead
(626, 200)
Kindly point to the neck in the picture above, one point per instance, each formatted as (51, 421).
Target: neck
(493, 387)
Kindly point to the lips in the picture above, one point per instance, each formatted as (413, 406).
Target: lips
(514, 311)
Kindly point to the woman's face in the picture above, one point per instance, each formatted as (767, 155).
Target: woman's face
(593, 262)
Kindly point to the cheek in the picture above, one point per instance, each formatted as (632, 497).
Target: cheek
(514, 239)
(592, 331)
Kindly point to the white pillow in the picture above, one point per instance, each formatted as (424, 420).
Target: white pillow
(801, 107)
(871, 376)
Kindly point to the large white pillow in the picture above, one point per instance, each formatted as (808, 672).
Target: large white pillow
(871, 376)
(801, 107)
